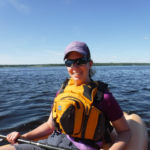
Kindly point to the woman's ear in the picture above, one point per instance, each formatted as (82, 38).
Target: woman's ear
(91, 64)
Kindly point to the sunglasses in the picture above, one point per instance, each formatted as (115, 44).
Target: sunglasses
(79, 62)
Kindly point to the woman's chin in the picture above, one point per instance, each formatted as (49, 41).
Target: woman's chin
(76, 79)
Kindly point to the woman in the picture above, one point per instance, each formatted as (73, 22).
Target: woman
(78, 61)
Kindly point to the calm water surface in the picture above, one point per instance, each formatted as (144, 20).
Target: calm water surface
(26, 94)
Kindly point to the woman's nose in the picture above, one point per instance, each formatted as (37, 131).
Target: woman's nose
(75, 65)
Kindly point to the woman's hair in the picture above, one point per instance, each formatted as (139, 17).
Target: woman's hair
(92, 72)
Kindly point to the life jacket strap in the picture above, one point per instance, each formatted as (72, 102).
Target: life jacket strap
(108, 130)
(63, 86)
(56, 125)
(102, 86)
(107, 137)
(98, 98)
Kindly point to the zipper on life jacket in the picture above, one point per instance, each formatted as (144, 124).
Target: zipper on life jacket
(75, 99)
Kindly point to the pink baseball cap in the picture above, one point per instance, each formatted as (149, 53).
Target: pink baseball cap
(77, 46)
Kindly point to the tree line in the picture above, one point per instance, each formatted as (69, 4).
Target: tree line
(95, 64)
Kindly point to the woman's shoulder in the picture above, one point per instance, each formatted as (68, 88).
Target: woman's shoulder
(110, 107)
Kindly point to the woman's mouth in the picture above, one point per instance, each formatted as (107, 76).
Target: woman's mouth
(77, 74)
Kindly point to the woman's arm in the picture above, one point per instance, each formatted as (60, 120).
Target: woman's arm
(42, 130)
(124, 134)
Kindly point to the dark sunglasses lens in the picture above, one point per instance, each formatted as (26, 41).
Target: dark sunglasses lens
(69, 63)
(82, 61)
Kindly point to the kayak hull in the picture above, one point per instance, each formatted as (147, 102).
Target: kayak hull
(139, 138)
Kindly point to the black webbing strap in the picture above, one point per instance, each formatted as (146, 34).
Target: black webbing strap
(110, 127)
(100, 91)
(107, 137)
(56, 125)
(98, 98)
(63, 86)
(102, 86)
(108, 130)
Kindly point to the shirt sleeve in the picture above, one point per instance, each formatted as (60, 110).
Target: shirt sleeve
(110, 107)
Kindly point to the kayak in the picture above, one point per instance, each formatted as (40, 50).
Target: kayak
(139, 139)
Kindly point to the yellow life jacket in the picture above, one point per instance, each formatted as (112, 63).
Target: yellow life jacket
(73, 112)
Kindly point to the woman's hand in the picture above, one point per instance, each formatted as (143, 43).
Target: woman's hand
(12, 137)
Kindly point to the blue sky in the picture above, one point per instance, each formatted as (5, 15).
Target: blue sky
(37, 31)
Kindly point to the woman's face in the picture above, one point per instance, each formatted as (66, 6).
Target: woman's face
(80, 74)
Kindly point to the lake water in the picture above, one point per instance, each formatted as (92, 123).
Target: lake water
(26, 94)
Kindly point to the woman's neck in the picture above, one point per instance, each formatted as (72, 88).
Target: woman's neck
(79, 82)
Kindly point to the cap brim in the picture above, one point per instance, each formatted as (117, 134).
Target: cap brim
(77, 50)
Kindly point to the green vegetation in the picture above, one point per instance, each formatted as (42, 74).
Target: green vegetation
(38, 65)
(95, 64)
(121, 64)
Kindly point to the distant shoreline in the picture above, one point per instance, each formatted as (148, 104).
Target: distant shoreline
(95, 64)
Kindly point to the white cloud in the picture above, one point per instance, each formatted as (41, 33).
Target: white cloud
(19, 6)
(146, 38)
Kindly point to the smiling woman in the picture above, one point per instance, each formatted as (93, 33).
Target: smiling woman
(82, 111)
